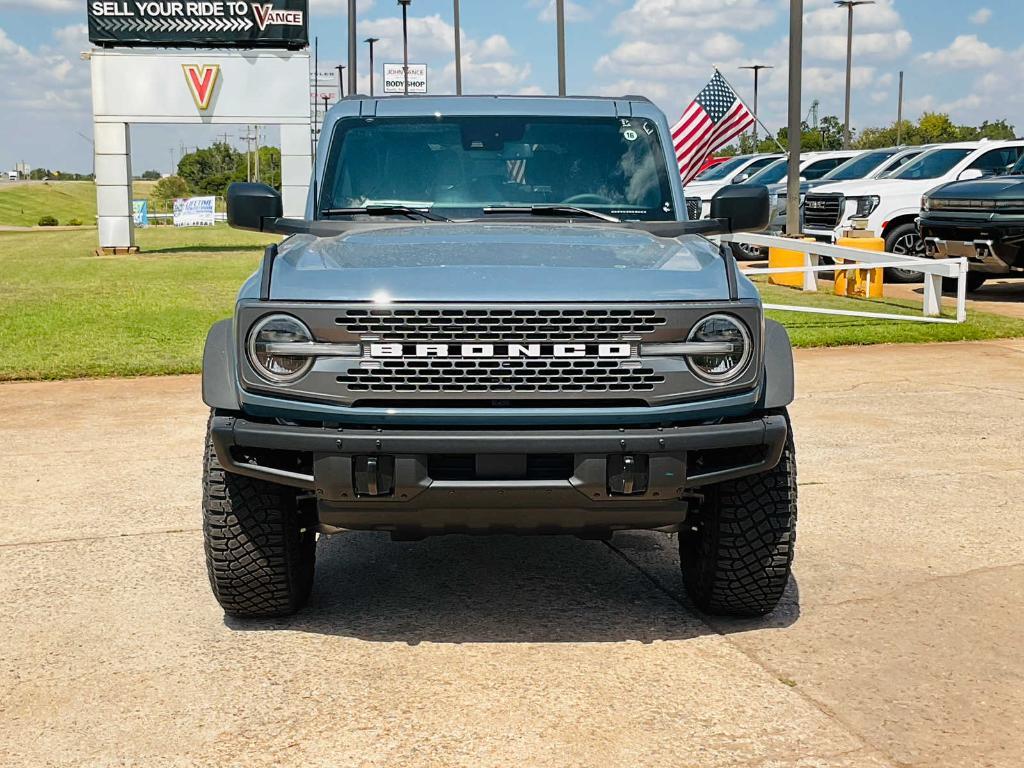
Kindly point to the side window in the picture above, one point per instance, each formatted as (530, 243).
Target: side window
(998, 160)
(898, 163)
(757, 165)
(820, 168)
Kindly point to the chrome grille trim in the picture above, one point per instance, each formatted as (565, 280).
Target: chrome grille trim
(824, 211)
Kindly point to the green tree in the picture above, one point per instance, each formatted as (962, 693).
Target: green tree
(209, 171)
(151, 176)
(170, 188)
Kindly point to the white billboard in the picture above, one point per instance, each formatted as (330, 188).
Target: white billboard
(394, 78)
(195, 212)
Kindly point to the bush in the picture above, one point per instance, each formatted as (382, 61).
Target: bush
(75, 223)
(48, 221)
(170, 188)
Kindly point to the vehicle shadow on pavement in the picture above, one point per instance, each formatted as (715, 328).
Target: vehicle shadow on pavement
(506, 589)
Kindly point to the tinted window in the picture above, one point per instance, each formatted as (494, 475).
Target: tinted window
(997, 161)
(773, 174)
(761, 162)
(723, 170)
(459, 165)
(899, 162)
(819, 168)
(858, 167)
(932, 165)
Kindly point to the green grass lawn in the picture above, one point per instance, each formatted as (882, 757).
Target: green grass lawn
(21, 205)
(65, 313)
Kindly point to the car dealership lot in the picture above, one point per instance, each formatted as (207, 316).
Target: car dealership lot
(898, 643)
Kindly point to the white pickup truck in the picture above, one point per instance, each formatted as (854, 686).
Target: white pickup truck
(892, 205)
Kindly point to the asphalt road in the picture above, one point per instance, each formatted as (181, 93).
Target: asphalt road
(899, 643)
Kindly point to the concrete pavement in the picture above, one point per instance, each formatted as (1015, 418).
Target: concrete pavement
(897, 645)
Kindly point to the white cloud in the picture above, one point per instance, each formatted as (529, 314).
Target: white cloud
(573, 11)
(878, 32)
(51, 78)
(964, 51)
(981, 16)
(647, 17)
(51, 6)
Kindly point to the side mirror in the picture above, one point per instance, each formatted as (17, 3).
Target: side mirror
(250, 204)
(746, 207)
(971, 174)
(740, 178)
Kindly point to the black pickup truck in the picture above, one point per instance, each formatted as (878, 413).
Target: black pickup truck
(980, 219)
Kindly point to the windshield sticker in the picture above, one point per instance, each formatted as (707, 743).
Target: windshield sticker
(630, 135)
(648, 129)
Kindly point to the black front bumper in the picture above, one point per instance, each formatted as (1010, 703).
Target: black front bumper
(422, 495)
(993, 245)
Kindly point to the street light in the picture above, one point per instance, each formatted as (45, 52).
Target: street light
(341, 80)
(458, 53)
(405, 41)
(757, 71)
(560, 24)
(849, 5)
(370, 41)
(796, 54)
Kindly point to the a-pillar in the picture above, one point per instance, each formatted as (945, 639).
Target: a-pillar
(114, 187)
(296, 168)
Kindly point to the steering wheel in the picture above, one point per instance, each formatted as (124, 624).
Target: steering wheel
(588, 198)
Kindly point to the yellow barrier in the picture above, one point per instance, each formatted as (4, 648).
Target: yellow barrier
(782, 257)
(861, 283)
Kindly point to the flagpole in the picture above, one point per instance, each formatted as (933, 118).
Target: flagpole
(756, 116)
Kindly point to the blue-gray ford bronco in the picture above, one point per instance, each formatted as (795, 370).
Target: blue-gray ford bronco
(495, 317)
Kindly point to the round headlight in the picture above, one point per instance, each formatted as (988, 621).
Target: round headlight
(265, 354)
(720, 367)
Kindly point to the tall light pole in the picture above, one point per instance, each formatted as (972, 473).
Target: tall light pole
(560, 25)
(899, 114)
(341, 80)
(458, 53)
(796, 60)
(757, 71)
(849, 5)
(353, 53)
(405, 41)
(370, 41)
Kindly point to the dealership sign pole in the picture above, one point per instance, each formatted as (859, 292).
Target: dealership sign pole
(259, 73)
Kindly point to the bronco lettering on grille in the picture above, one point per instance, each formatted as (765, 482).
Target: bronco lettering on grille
(500, 350)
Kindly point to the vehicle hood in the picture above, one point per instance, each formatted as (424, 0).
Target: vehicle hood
(880, 187)
(705, 188)
(498, 262)
(998, 188)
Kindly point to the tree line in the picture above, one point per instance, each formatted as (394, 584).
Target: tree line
(211, 170)
(930, 128)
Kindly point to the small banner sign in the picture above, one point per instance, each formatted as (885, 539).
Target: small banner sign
(394, 78)
(195, 212)
(140, 213)
(199, 23)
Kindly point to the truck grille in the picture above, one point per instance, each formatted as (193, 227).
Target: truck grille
(823, 211)
(487, 376)
(505, 325)
(693, 208)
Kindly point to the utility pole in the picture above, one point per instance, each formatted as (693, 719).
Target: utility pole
(757, 71)
(849, 5)
(796, 56)
(341, 80)
(560, 25)
(370, 41)
(353, 53)
(405, 42)
(458, 53)
(899, 114)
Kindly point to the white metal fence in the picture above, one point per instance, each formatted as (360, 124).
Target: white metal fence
(933, 271)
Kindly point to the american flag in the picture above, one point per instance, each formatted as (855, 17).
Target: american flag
(715, 118)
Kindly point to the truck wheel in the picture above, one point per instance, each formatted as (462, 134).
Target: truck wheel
(906, 241)
(259, 558)
(736, 550)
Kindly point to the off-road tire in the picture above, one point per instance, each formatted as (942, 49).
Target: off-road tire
(259, 558)
(736, 549)
(907, 241)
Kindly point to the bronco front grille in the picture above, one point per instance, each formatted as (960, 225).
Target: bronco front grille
(501, 376)
(505, 325)
(823, 211)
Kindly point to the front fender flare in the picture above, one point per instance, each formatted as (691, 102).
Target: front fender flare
(219, 390)
(779, 376)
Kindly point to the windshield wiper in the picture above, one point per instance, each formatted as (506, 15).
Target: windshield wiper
(385, 210)
(550, 210)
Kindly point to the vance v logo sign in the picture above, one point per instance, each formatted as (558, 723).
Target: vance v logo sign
(202, 80)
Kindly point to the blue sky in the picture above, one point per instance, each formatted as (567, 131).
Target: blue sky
(966, 58)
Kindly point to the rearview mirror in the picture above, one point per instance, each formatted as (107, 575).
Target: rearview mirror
(250, 204)
(746, 207)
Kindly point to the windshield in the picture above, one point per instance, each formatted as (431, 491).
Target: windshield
(722, 170)
(931, 165)
(858, 167)
(773, 174)
(457, 166)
